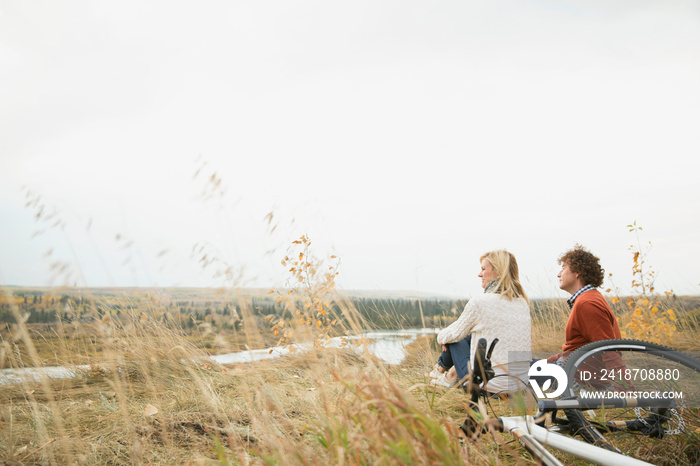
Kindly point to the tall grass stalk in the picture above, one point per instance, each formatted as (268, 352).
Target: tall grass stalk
(151, 396)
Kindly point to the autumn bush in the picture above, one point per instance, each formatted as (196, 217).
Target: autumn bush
(645, 315)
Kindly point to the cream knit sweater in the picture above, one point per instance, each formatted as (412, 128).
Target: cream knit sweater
(490, 316)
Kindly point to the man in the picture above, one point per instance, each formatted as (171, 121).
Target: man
(591, 317)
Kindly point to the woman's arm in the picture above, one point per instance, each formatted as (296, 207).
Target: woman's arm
(460, 328)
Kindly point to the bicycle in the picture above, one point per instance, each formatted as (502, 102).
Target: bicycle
(632, 402)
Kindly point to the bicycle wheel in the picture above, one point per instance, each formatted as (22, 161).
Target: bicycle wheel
(665, 381)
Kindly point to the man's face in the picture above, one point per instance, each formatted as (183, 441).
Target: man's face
(568, 280)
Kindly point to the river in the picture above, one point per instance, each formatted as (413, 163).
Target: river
(388, 345)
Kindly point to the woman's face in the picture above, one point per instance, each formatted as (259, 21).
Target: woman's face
(487, 273)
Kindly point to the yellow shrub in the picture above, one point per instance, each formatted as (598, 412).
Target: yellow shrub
(645, 317)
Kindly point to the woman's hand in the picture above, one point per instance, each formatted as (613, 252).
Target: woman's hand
(444, 348)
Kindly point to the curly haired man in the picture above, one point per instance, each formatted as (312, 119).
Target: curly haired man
(591, 317)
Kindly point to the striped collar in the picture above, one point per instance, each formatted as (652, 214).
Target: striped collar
(582, 290)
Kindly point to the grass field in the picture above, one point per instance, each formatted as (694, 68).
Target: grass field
(150, 396)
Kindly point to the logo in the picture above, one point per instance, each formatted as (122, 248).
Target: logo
(542, 372)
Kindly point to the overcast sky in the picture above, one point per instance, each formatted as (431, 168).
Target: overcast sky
(405, 137)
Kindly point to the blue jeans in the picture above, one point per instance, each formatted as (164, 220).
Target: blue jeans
(457, 355)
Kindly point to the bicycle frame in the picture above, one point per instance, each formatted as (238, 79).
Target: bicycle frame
(535, 438)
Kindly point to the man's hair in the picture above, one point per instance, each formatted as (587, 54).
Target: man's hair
(506, 267)
(583, 262)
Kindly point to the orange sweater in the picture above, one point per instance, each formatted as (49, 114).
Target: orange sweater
(591, 319)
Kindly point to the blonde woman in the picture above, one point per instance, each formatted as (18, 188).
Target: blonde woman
(502, 312)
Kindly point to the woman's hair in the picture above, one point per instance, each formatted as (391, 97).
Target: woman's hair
(505, 265)
(584, 263)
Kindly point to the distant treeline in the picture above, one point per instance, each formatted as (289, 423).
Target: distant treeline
(37, 306)
(387, 313)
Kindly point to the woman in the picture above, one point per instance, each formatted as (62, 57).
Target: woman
(501, 312)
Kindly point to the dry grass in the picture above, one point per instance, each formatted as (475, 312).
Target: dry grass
(152, 397)
(548, 326)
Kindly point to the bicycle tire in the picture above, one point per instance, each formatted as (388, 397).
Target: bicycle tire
(637, 369)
